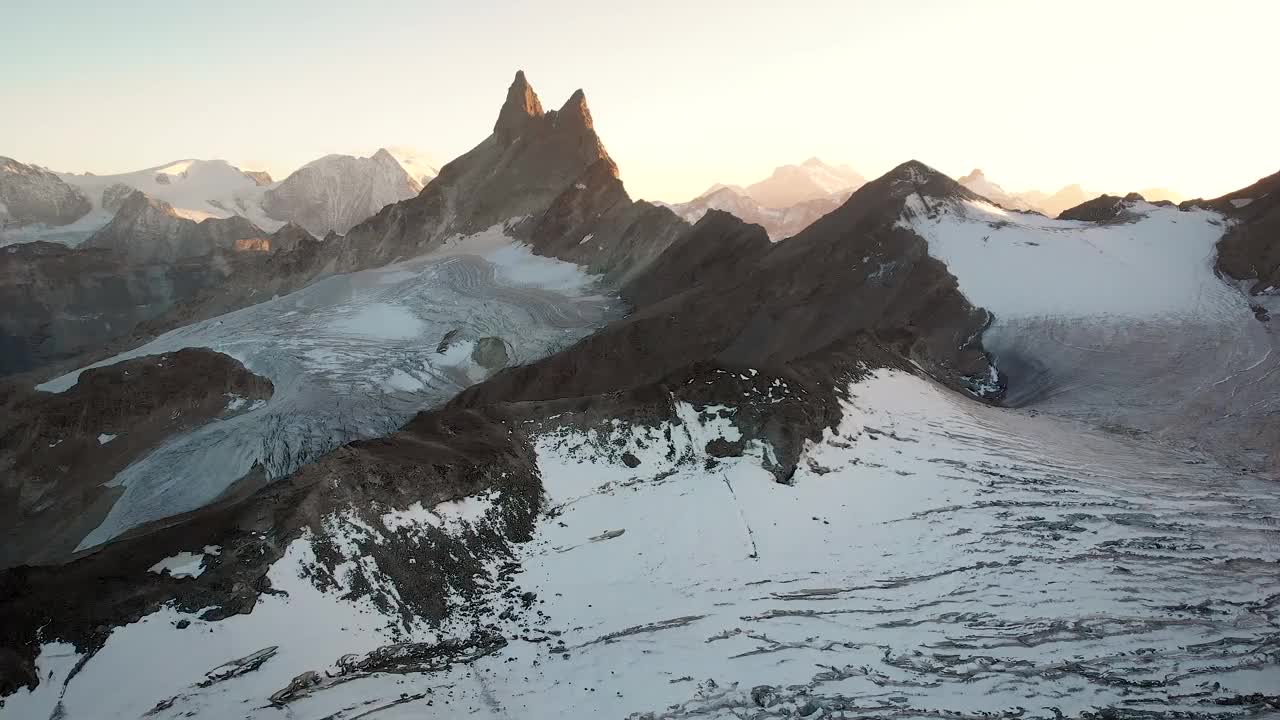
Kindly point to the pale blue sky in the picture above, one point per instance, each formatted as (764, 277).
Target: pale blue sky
(1114, 95)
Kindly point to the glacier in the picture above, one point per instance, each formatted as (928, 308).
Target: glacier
(354, 356)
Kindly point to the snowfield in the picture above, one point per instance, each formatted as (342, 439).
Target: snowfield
(933, 558)
(354, 356)
(1123, 324)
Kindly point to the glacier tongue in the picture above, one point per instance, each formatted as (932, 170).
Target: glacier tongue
(354, 356)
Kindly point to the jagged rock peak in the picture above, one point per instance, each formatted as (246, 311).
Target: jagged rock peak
(974, 176)
(575, 109)
(521, 106)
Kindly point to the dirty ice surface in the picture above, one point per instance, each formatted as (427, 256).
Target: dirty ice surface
(354, 356)
(1124, 324)
(933, 558)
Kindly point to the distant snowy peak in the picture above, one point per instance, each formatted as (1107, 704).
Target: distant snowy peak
(811, 180)
(31, 195)
(978, 183)
(784, 203)
(196, 189)
(420, 166)
(336, 192)
(779, 223)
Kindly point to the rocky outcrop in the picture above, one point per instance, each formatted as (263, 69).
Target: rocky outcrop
(60, 450)
(31, 195)
(261, 178)
(1250, 249)
(115, 195)
(1104, 208)
(338, 191)
(148, 230)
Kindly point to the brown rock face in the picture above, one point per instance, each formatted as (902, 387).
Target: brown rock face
(58, 303)
(1250, 249)
(1104, 208)
(521, 107)
(59, 450)
(260, 177)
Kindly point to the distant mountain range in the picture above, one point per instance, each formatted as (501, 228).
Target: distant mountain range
(1051, 205)
(330, 194)
(784, 203)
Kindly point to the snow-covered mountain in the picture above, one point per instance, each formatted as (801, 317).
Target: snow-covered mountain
(978, 182)
(31, 196)
(811, 180)
(420, 166)
(780, 223)
(784, 203)
(329, 194)
(336, 192)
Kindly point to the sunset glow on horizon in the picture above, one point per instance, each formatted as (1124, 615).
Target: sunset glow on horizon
(1112, 96)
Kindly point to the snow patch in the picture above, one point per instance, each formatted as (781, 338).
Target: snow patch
(185, 564)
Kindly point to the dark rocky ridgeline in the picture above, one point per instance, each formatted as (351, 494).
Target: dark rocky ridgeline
(60, 449)
(436, 457)
(261, 177)
(1250, 248)
(722, 318)
(31, 195)
(62, 308)
(1108, 209)
(145, 229)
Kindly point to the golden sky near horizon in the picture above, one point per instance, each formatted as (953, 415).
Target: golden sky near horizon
(1114, 96)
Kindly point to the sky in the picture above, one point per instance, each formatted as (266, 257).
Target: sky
(1113, 95)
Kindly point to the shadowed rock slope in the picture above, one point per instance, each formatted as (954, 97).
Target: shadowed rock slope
(60, 450)
(1250, 249)
(61, 306)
